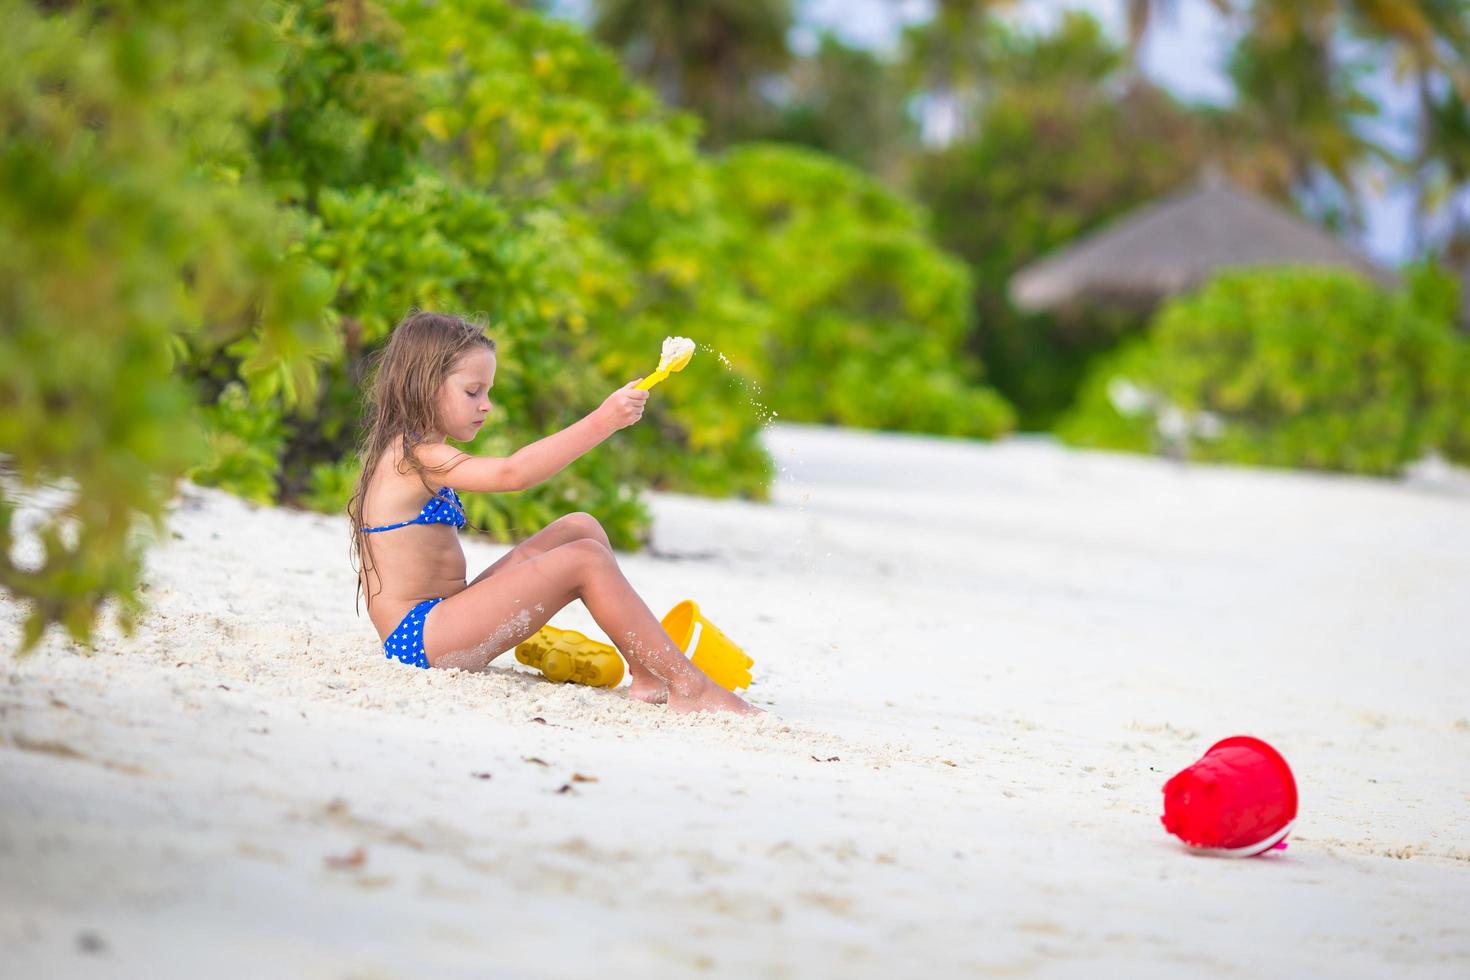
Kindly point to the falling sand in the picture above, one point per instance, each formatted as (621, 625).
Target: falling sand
(752, 390)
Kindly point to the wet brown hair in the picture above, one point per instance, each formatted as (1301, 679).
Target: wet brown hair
(402, 392)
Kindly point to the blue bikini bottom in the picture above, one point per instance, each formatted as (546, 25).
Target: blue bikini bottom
(406, 643)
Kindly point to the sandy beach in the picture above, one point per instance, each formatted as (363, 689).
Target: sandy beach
(979, 664)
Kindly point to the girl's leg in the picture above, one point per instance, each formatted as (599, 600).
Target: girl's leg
(472, 627)
(564, 530)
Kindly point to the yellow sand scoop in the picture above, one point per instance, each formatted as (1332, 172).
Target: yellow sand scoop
(676, 355)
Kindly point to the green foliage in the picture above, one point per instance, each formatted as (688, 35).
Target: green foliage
(863, 316)
(129, 236)
(245, 445)
(329, 485)
(1297, 367)
(1097, 422)
(348, 114)
(1433, 290)
(1435, 293)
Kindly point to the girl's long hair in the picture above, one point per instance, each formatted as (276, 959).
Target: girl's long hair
(402, 391)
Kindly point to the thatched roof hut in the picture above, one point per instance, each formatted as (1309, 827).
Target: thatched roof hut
(1177, 243)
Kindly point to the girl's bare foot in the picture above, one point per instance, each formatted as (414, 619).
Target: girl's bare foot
(709, 696)
(650, 689)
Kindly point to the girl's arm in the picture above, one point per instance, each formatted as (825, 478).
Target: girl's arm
(542, 459)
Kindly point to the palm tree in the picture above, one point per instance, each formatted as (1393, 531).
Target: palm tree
(1448, 149)
(1432, 41)
(1298, 90)
(1299, 99)
(710, 56)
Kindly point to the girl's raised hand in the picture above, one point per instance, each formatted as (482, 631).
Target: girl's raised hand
(623, 407)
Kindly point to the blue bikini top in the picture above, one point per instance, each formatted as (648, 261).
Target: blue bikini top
(443, 508)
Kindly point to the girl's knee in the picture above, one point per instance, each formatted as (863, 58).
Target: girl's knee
(587, 551)
(585, 561)
(583, 525)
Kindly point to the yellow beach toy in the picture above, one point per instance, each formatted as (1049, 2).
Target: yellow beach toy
(566, 655)
(710, 650)
(675, 356)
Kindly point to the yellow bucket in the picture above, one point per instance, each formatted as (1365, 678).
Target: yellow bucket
(709, 649)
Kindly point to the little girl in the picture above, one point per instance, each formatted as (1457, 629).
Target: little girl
(433, 384)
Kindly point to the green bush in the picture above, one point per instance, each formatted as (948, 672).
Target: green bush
(1306, 368)
(245, 444)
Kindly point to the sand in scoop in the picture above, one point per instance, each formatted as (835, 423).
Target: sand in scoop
(674, 350)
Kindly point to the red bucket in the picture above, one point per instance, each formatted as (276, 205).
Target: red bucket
(1238, 800)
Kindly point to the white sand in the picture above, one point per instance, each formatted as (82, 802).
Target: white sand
(673, 349)
(981, 664)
